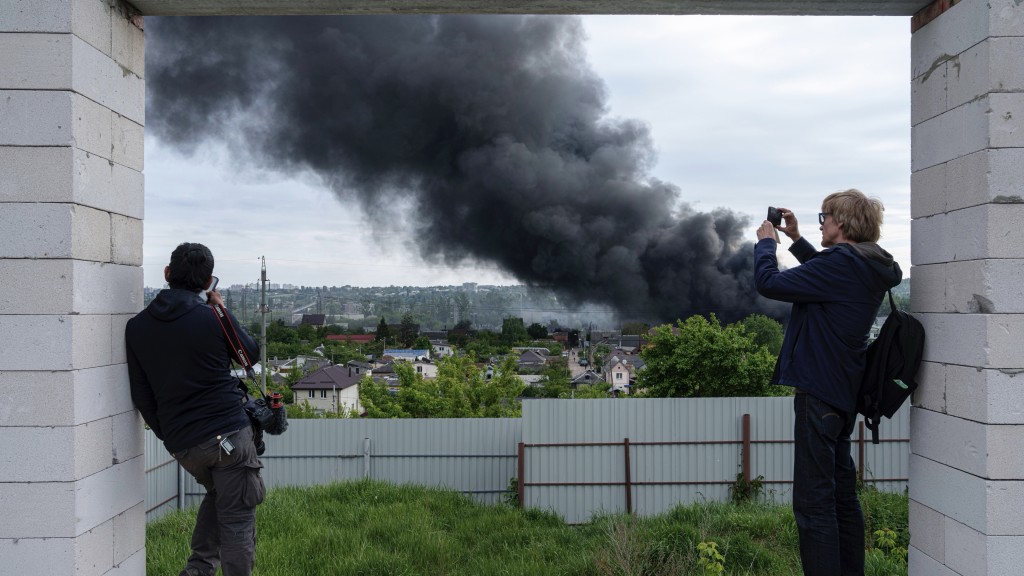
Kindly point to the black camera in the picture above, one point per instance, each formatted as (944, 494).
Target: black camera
(774, 216)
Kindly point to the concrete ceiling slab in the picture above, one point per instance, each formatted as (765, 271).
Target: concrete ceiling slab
(317, 7)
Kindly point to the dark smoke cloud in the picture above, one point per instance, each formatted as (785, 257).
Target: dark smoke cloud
(495, 128)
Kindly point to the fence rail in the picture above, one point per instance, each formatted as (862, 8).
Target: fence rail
(574, 457)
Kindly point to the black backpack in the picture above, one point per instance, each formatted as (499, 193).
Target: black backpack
(890, 373)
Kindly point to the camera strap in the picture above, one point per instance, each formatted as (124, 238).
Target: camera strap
(237, 350)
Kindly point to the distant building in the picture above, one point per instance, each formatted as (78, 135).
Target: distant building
(334, 389)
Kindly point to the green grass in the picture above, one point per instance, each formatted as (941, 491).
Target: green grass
(374, 528)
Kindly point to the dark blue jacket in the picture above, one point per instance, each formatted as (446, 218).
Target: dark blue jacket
(179, 370)
(836, 294)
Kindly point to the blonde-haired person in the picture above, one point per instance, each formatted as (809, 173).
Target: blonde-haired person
(835, 295)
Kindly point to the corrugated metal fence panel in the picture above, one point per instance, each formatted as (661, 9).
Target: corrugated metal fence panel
(161, 478)
(663, 474)
(478, 456)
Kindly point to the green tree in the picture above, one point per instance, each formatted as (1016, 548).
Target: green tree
(423, 343)
(408, 330)
(537, 331)
(383, 332)
(305, 332)
(764, 331)
(701, 359)
(513, 331)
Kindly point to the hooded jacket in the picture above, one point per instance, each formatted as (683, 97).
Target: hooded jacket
(835, 294)
(179, 370)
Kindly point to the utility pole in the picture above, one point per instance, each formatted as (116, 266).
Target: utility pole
(264, 309)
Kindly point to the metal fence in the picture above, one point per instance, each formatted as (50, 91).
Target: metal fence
(574, 457)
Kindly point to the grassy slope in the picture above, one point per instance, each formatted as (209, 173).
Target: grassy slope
(372, 528)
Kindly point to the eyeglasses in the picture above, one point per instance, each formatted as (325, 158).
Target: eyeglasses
(821, 217)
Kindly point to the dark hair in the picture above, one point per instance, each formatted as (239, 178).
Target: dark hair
(191, 267)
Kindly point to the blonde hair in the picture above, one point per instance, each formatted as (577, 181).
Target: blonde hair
(860, 216)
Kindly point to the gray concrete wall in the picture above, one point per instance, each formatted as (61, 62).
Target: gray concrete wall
(967, 427)
(71, 195)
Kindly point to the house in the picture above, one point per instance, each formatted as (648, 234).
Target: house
(620, 370)
(531, 379)
(442, 348)
(303, 363)
(532, 359)
(407, 354)
(331, 389)
(425, 368)
(587, 378)
(314, 320)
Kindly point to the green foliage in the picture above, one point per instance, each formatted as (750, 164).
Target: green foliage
(408, 331)
(304, 410)
(383, 331)
(458, 391)
(743, 491)
(305, 332)
(709, 558)
(702, 359)
(537, 331)
(595, 390)
(764, 331)
(367, 527)
(513, 331)
(423, 343)
(485, 345)
(511, 495)
(601, 352)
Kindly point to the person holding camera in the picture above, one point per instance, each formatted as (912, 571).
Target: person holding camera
(836, 294)
(181, 382)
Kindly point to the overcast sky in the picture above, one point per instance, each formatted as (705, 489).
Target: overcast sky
(745, 112)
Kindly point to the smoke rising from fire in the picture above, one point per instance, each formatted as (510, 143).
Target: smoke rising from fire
(494, 129)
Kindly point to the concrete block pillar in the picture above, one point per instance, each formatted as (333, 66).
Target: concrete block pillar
(967, 201)
(71, 202)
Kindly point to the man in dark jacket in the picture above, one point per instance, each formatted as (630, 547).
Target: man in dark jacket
(181, 382)
(835, 294)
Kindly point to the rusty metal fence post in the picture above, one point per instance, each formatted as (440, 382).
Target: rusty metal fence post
(521, 471)
(746, 448)
(629, 480)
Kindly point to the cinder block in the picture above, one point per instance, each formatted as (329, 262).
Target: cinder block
(94, 550)
(91, 126)
(1004, 228)
(1005, 125)
(71, 452)
(928, 191)
(958, 132)
(68, 398)
(132, 566)
(98, 77)
(928, 288)
(128, 436)
(1005, 554)
(35, 342)
(106, 494)
(128, 43)
(970, 74)
(36, 555)
(920, 563)
(90, 21)
(959, 28)
(35, 174)
(983, 340)
(36, 286)
(1005, 18)
(105, 288)
(928, 530)
(35, 16)
(985, 395)
(966, 549)
(928, 94)
(90, 233)
(955, 442)
(991, 175)
(35, 61)
(931, 387)
(91, 344)
(128, 192)
(948, 491)
(93, 180)
(126, 240)
(993, 286)
(117, 326)
(22, 503)
(128, 142)
(35, 230)
(129, 533)
(35, 118)
(979, 232)
(101, 392)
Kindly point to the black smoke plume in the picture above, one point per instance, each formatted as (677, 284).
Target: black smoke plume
(495, 129)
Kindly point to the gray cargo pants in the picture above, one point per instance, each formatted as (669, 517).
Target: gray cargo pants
(225, 532)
